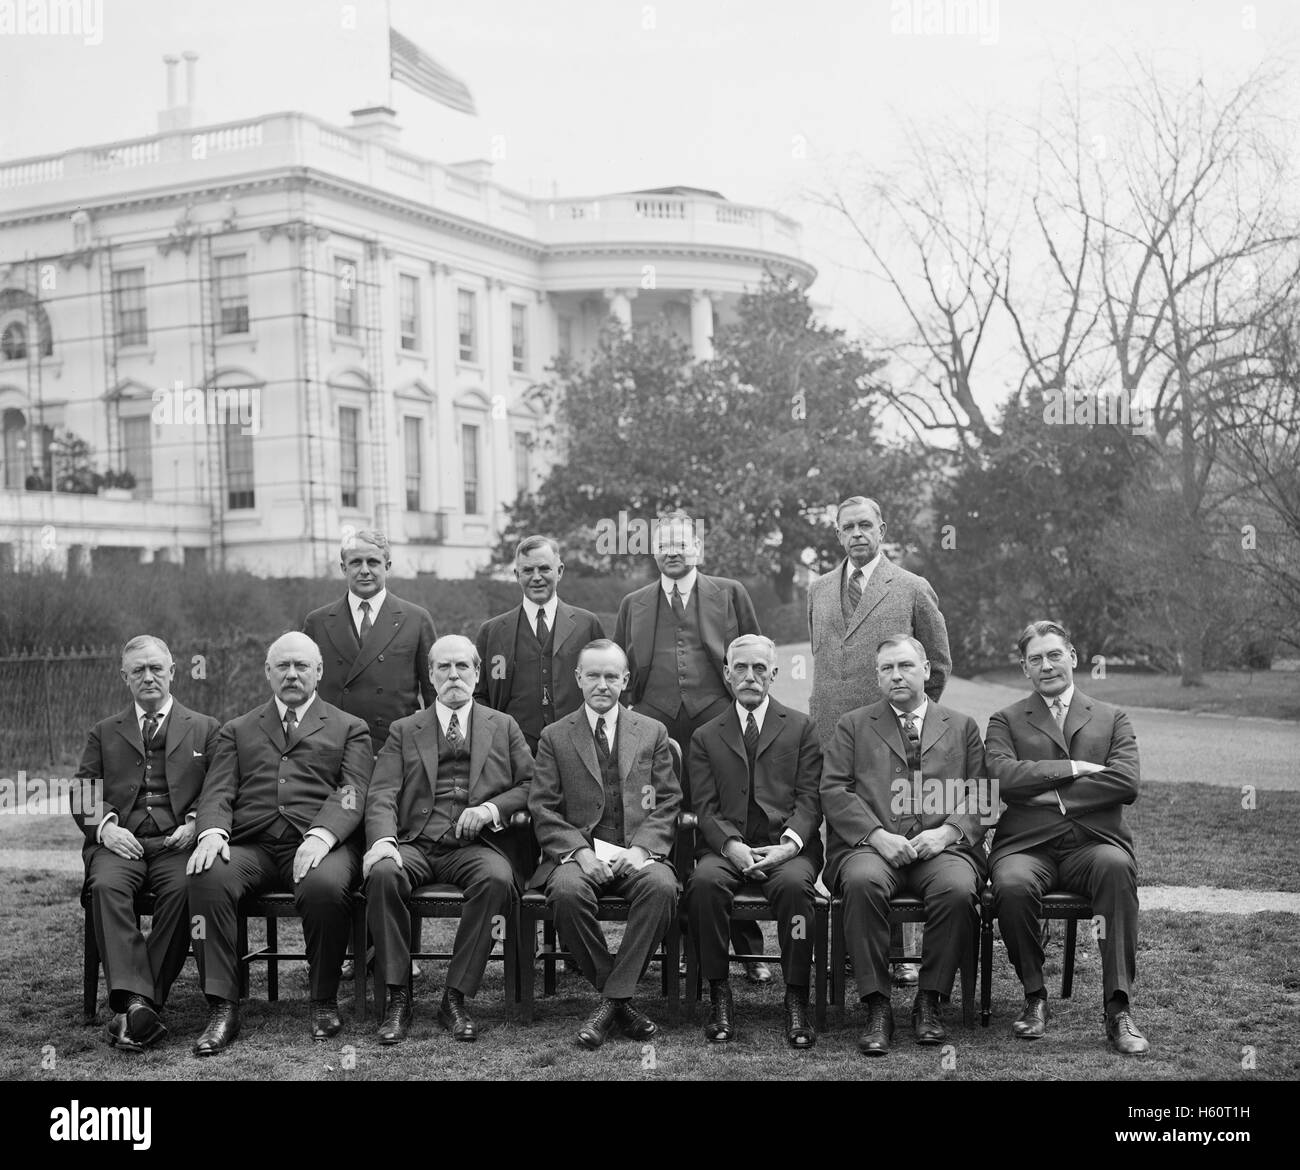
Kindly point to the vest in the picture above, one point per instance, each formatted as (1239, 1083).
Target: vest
(450, 789)
(610, 827)
(532, 689)
(681, 672)
(757, 829)
(152, 799)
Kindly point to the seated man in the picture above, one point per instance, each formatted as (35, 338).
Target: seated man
(447, 782)
(755, 771)
(285, 792)
(1066, 765)
(604, 802)
(142, 771)
(889, 834)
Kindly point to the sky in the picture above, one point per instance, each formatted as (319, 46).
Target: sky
(767, 101)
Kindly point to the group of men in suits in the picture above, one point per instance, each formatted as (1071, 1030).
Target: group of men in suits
(435, 744)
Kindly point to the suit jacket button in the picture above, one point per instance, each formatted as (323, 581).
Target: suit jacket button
(381, 658)
(347, 690)
(284, 757)
(379, 690)
(282, 780)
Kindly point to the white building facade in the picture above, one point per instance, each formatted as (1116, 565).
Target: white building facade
(282, 328)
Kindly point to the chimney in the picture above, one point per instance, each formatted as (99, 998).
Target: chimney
(179, 117)
(190, 57)
(171, 61)
(376, 123)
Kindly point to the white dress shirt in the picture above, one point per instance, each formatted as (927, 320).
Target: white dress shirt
(866, 570)
(531, 609)
(376, 603)
(685, 585)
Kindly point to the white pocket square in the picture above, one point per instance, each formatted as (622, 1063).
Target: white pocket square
(197, 754)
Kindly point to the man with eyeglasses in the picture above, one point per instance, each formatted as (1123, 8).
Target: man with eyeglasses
(1066, 765)
(675, 633)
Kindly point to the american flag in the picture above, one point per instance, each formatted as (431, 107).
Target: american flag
(409, 63)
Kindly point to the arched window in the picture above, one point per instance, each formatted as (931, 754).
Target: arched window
(14, 342)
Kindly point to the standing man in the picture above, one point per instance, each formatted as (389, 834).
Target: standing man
(604, 802)
(895, 791)
(375, 646)
(1066, 766)
(756, 767)
(142, 771)
(675, 633)
(446, 784)
(851, 609)
(286, 791)
(529, 654)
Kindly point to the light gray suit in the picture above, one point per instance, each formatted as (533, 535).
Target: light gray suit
(844, 653)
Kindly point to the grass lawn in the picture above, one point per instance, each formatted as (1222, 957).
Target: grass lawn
(1272, 693)
(1214, 991)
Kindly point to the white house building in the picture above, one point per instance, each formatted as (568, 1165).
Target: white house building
(283, 327)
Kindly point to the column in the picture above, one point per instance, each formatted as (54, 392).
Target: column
(619, 301)
(701, 325)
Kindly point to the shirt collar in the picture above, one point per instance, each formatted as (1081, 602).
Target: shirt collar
(919, 713)
(444, 715)
(161, 714)
(531, 608)
(610, 717)
(760, 713)
(282, 708)
(867, 569)
(376, 604)
(684, 584)
(1066, 697)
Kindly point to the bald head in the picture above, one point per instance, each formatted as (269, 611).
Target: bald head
(293, 668)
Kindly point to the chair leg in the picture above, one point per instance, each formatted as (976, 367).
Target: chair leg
(359, 963)
(527, 947)
(969, 967)
(836, 971)
(672, 969)
(90, 984)
(241, 949)
(986, 965)
(273, 965)
(694, 980)
(548, 957)
(1067, 967)
(819, 964)
(510, 960)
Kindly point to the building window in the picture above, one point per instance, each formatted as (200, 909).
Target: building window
(345, 298)
(467, 324)
(137, 453)
(566, 335)
(408, 310)
(411, 441)
(239, 469)
(518, 337)
(232, 294)
(14, 343)
(130, 323)
(523, 461)
(469, 457)
(350, 455)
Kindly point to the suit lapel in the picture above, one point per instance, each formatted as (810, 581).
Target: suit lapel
(178, 730)
(129, 729)
(628, 735)
(886, 725)
(269, 720)
(934, 727)
(1038, 714)
(426, 744)
(733, 735)
(480, 741)
(312, 720)
(643, 618)
(873, 594)
(1079, 713)
(565, 624)
(341, 632)
(772, 724)
(585, 743)
(712, 605)
(827, 608)
(387, 622)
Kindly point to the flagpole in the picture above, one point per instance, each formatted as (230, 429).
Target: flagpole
(388, 50)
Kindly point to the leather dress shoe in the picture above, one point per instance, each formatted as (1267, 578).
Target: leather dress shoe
(325, 1020)
(1123, 1036)
(905, 974)
(721, 1026)
(635, 1025)
(597, 1027)
(799, 1032)
(142, 1020)
(453, 1016)
(927, 1018)
(758, 972)
(119, 1036)
(880, 1028)
(1033, 1020)
(222, 1028)
(397, 1017)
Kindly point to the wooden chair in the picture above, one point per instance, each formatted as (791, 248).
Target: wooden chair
(1056, 904)
(272, 907)
(901, 909)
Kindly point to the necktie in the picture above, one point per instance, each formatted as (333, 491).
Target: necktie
(676, 601)
(855, 589)
(366, 623)
(751, 735)
(454, 738)
(150, 728)
(913, 754)
(290, 724)
(542, 628)
(602, 744)
(1058, 712)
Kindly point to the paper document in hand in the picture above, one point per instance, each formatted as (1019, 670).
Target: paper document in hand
(607, 852)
